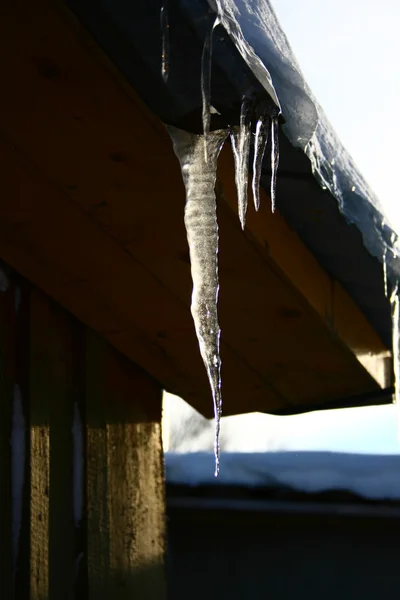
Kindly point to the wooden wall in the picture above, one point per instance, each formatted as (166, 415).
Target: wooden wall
(82, 487)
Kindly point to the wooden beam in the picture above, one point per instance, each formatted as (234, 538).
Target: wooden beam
(51, 450)
(125, 487)
(283, 249)
(92, 213)
(106, 287)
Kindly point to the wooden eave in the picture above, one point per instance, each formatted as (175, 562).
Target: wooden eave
(91, 211)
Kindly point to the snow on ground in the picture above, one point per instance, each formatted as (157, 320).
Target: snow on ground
(352, 449)
(370, 476)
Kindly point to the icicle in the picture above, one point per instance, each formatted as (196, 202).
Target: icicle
(274, 159)
(385, 278)
(206, 85)
(395, 306)
(199, 175)
(240, 138)
(260, 143)
(164, 41)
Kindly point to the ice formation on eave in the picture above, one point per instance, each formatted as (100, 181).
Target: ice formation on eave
(254, 28)
(198, 155)
(255, 31)
(199, 176)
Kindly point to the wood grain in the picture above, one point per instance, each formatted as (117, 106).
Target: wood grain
(125, 486)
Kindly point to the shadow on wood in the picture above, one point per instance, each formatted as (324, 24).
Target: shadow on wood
(82, 480)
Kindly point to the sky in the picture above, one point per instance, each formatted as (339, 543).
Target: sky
(349, 52)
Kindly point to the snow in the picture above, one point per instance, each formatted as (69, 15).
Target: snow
(255, 30)
(260, 450)
(354, 75)
(228, 12)
(369, 476)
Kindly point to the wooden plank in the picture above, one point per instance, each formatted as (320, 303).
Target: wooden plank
(51, 405)
(284, 250)
(98, 552)
(62, 328)
(105, 165)
(7, 382)
(106, 288)
(125, 487)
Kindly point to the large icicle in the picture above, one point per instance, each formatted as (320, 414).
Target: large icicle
(260, 143)
(274, 159)
(206, 85)
(240, 138)
(199, 175)
(385, 275)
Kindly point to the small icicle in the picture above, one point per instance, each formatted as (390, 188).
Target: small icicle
(206, 85)
(199, 177)
(385, 279)
(395, 306)
(164, 41)
(274, 159)
(260, 143)
(240, 138)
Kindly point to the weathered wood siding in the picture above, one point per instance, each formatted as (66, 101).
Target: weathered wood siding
(82, 487)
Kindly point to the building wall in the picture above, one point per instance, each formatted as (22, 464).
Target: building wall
(81, 481)
(252, 556)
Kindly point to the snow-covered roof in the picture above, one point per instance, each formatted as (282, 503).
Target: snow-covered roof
(371, 477)
(256, 32)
